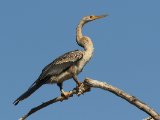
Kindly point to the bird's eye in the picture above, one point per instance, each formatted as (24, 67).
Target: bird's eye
(91, 17)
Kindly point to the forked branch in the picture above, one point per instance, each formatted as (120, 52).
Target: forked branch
(85, 87)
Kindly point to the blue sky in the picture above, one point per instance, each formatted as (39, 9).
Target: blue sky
(127, 47)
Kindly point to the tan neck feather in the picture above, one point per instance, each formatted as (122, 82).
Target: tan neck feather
(79, 31)
(80, 38)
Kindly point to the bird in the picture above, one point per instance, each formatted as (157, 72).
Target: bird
(67, 66)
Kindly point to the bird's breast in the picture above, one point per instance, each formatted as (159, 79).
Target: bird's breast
(81, 63)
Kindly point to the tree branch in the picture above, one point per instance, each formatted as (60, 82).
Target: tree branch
(82, 89)
(149, 118)
(131, 99)
(85, 87)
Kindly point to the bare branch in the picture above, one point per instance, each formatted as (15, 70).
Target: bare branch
(131, 99)
(85, 87)
(82, 89)
(149, 118)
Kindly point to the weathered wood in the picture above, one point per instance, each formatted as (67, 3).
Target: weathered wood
(86, 87)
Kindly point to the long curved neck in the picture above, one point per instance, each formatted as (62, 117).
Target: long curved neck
(86, 44)
(79, 31)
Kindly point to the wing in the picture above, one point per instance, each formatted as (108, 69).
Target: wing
(61, 63)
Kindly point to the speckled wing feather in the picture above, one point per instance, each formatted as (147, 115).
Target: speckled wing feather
(61, 63)
(56, 67)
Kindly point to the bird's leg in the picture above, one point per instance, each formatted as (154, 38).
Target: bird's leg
(63, 93)
(78, 88)
(77, 81)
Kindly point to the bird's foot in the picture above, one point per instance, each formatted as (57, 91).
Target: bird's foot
(79, 88)
(79, 84)
(66, 95)
(82, 88)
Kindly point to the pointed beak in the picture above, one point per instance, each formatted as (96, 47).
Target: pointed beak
(98, 17)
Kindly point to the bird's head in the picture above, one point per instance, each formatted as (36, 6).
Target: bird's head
(92, 17)
(84, 41)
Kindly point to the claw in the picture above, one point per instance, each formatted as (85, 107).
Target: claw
(78, 88)
(79, 84)
(66, 95)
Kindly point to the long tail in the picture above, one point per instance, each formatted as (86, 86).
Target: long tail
(37, 84)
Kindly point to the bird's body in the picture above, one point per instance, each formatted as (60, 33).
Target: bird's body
(66, 66)
(70, 64)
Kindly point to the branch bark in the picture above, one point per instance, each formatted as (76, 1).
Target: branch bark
(90, 83)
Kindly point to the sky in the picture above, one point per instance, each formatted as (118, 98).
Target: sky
(127, 46)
